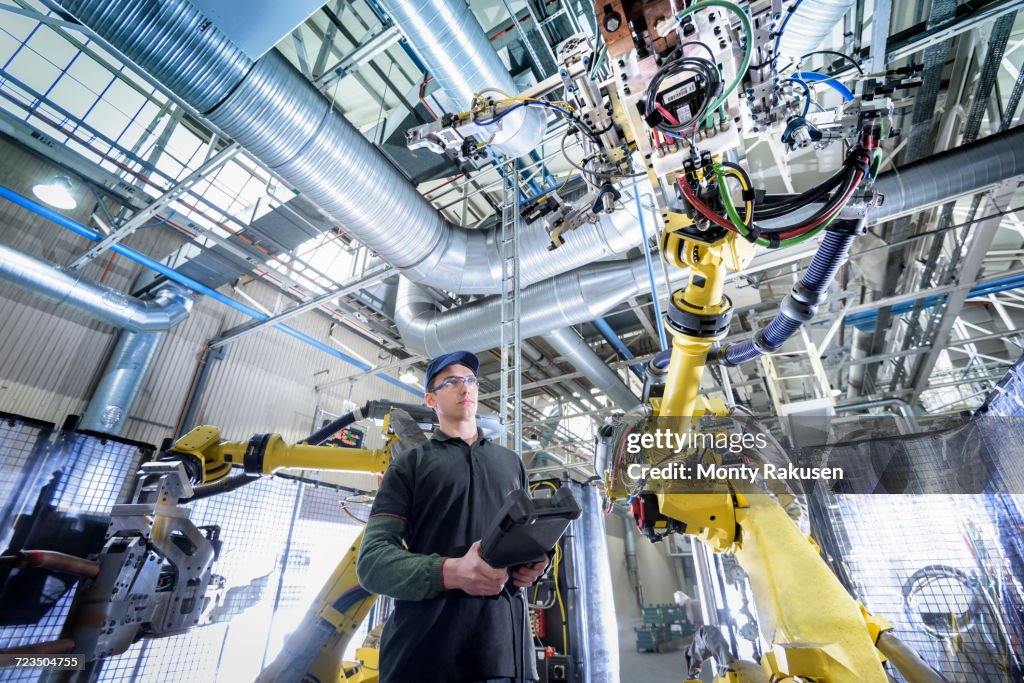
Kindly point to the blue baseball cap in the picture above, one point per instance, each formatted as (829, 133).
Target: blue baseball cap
(441, 362)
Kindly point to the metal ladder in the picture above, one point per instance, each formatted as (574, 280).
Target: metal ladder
(796, 376)
(510, 394)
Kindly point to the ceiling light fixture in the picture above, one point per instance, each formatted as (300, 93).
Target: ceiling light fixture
(56, 193)
(409, 377)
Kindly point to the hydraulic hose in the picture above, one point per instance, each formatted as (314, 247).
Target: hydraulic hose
(799, 306)
(325, 432)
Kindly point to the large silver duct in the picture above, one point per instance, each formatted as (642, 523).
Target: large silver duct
(583, 358)
(457, 53)
(281, 119)
(594, 634)
(947, 175)
(582, 295)
(808, 26)
(122, 381)
(562, 301)
(68, 288)
(144, 326)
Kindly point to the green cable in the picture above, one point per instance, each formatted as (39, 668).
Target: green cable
(747, 32)
(734, 216)
(876, 162)
(598, 63)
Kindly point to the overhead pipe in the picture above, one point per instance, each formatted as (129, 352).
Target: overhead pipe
(612, 338)
(583, 358)
(173, 275)
(903, 407)
(69, 288)
(121, 383)
(589, 292)
(807, 23)
(281, 119)
(144, 326)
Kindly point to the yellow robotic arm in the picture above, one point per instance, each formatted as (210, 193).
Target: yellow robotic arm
(208, 459)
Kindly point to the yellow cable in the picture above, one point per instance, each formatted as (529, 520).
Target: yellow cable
(558, 596)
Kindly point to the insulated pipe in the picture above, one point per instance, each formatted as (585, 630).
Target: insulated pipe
(122, 381)
(562, 301)
(144, 326)
(457, 53)
(598, 615)
(281, 119)
(583, 358)
(950, 174)
(811, 21)
(69, 288)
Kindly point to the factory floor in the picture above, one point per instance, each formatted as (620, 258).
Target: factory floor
(649, 667)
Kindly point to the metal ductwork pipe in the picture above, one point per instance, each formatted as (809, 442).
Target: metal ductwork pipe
(950, 174)
(68, 287)
(903, 407)
(562, 301)
(281, 119)
(594, 624)
(144, 326)
(810, 22)
(583, 358)
(582, 295)
(456, 51)
(122, 380)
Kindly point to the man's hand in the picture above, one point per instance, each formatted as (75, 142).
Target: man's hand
(526, 575)
(471, 574)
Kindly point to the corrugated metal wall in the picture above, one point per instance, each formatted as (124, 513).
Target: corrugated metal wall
(50, 360)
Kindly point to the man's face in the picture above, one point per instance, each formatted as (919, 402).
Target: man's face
(456, 401)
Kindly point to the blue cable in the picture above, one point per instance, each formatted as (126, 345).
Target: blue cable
(807, 94)
(815, 77)
(778, 36)
(650, 267)
(567, 181)
(677, 136)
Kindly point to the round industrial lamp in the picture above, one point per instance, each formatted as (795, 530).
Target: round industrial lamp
(56, 193)
(409, 377)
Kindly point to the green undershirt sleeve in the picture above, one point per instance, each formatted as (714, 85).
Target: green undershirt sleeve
(385, 567)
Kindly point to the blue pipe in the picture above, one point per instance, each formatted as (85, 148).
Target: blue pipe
(867, 319)
(609, 334)
(815, 77)
(650, 268)
(79, 229)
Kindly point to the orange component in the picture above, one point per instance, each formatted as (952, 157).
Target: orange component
(538, 624)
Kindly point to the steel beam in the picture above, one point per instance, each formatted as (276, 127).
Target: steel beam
(982, 237)
(161, 202)
(348, 288)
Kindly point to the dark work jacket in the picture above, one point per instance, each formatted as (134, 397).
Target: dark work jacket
(448, 493)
